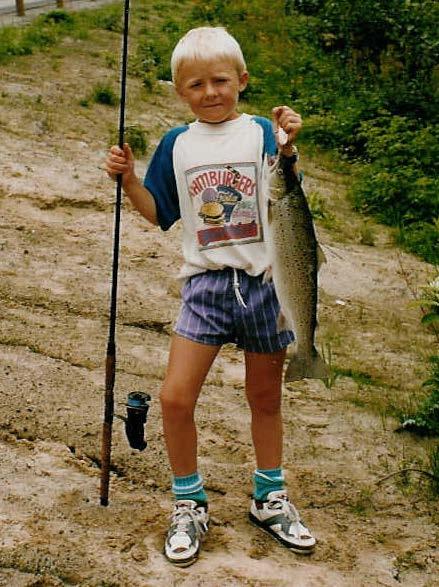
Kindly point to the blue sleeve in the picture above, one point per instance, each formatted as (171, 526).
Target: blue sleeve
(160, 180)
(270, 147)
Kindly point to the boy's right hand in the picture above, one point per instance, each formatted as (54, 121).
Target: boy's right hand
(120, 161)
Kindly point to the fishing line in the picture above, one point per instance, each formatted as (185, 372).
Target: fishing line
(110, 365)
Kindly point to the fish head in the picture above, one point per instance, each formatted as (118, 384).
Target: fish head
(277, 182)
(278, 187)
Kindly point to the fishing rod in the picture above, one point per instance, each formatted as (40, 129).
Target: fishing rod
(110, 364)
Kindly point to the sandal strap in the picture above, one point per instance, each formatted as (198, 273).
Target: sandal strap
(288, 517)
(186, 527)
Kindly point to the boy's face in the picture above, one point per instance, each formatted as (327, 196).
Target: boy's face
(211, 88)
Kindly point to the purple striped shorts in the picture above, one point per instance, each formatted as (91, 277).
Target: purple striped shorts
(212, 314)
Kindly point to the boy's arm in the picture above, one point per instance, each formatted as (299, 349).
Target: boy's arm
(122, 162)
(142, 200)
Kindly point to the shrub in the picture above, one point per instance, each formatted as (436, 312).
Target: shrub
(367, 235)
(43, 32)
(108, 18)
(399, 185)
(104, 94)
(422, 239)
(58, 16)
(425, 421)
(429, 302)
(137, 138)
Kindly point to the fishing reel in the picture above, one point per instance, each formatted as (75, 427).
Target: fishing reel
(137, 412)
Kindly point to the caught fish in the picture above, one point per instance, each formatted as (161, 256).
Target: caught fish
(295, 259)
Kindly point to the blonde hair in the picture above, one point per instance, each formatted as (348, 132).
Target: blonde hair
(205, 44)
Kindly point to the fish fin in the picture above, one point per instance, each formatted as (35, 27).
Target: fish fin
(321, 257)
(281, 323)
(313, 367)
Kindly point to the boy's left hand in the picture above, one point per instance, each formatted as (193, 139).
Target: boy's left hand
(290, 122)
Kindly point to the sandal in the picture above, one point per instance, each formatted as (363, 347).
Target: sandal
(189, 524)
(278, 516)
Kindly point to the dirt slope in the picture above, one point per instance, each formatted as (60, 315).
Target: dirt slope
(55, 239)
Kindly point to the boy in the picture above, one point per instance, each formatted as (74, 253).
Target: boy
(213, 175)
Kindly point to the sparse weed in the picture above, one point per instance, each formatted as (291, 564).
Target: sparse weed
(46, 125)
(319, 210)
(429, 304)
(326, 350)
(362, 504)
(425, 420)
(317, 205)
(137, 138)
(367, 235)
(434, 469)
(360, 377)
(104, 94)
(358, 401)
(381, 538)
(111, 60)
(383, 417)
(405, 560)
(408, 465)
(58, 16)
(108, 18)
(412, 472)
(215, 379)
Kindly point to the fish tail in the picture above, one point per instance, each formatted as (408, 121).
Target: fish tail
(303, 367)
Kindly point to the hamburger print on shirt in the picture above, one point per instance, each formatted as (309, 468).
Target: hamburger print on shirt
(226, 205)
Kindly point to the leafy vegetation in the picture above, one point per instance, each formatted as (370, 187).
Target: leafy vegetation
(136, 136)
(42, 33)
(425, 421)
(429, 303)
(383, 108)
(104, 94)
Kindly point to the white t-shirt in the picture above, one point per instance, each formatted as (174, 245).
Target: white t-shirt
(215, 178)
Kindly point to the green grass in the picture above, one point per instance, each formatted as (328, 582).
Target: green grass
(360, 377)
(42, 33)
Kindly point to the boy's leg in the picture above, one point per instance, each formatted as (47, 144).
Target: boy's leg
(189, 363)
(270, 509)
(263, 385)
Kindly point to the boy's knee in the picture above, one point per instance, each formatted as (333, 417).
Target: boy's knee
(176, 402)
(265, 402)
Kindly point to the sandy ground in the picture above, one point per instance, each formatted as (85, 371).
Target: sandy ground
(55, 240)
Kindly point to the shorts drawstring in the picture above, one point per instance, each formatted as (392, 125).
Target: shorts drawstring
(236, 289)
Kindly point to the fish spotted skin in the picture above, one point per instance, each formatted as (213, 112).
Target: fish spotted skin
(294, 261)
